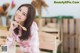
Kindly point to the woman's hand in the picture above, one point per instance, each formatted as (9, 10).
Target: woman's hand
(13, 25)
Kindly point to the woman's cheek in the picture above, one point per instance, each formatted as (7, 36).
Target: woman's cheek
(23, 18)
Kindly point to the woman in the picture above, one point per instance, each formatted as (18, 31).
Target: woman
(27, 40)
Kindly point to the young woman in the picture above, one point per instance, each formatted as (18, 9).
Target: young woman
(27, 40)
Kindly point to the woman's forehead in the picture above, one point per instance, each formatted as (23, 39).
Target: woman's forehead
(24, 8)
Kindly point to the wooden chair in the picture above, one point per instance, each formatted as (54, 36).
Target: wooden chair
(49, 37)
(48, 41)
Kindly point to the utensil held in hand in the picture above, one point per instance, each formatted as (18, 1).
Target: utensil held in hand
(22, 27)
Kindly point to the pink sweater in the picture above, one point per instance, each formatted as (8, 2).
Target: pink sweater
(31, 45)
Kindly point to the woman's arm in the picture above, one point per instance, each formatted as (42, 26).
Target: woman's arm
(11, 37)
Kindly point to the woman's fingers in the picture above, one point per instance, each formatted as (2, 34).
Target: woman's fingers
(13, 25)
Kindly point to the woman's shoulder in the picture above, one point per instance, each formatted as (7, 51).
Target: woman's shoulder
(34, 29)
(34, 26)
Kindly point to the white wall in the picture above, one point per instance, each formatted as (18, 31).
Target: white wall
(62, 9)
(53, 9)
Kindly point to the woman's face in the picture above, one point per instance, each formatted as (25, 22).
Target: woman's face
(21, 14)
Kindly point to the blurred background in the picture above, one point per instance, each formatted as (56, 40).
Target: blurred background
(59, 28)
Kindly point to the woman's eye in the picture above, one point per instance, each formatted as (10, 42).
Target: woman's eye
(24, 14)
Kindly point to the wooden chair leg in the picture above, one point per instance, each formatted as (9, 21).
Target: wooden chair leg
(57, 43)
(55, 50)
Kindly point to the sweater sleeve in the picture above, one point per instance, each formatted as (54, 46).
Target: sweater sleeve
(10, 42)
(33, 43)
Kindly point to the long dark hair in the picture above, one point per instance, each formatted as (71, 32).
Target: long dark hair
(27, 23)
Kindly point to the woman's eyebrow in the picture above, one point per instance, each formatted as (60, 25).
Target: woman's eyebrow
(19, 9)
